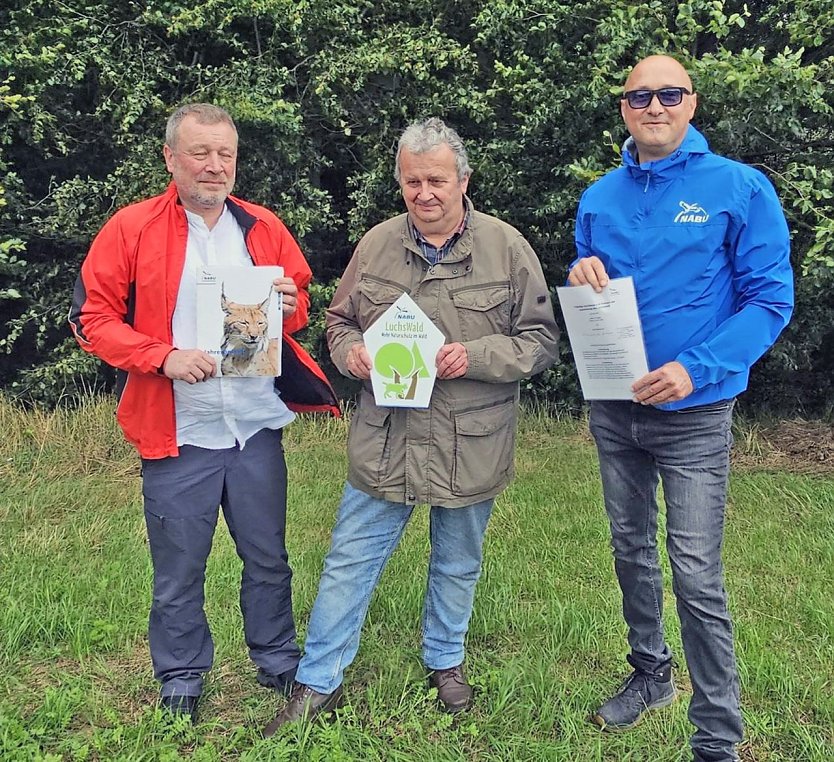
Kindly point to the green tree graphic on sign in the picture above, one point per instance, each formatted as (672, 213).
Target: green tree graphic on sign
(401, 365)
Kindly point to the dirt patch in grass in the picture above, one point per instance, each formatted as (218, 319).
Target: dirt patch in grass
(795, 446)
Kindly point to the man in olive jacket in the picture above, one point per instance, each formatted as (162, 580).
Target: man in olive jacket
(482, 285)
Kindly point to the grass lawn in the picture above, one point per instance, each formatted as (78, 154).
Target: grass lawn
(546, 642)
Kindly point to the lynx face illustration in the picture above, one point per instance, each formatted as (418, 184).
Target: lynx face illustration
(247, 349)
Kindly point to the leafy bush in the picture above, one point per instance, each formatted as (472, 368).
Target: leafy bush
(320, 90)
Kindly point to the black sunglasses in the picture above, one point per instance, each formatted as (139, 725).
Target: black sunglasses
(667, 96)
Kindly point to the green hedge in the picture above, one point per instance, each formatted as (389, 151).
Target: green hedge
(321, 90)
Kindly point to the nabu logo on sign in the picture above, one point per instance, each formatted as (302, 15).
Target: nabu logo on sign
(691, 213)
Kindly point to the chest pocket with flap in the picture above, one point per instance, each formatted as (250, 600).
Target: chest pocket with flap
(483, 310)
(374, 298)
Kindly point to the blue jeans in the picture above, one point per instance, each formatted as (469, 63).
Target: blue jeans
(690, 451)
(182, 497)
(366, 532)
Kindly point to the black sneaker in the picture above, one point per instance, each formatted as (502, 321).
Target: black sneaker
(639, 693)
(180, 706)
(282, 683)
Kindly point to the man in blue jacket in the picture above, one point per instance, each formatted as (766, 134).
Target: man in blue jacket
(706, 242)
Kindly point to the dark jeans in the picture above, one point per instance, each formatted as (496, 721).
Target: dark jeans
(690, 451)
(182, 497)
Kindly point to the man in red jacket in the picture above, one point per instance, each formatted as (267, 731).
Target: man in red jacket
(204, 440)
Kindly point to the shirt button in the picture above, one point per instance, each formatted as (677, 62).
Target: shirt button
(454, 272)
(411, 498)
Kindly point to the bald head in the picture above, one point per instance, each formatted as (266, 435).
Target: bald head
(658, 130)
(656, 68)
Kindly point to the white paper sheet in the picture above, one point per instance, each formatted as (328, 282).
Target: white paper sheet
(606, 338)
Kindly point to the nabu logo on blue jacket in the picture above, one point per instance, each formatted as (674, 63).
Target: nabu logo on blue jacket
(691, 213)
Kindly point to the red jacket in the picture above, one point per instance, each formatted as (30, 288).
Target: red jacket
(124, 301)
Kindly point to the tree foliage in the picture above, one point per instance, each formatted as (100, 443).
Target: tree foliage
(321, 89)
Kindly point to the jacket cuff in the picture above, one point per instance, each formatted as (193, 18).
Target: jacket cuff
(160, 362)
(475, 356)
(696, 375)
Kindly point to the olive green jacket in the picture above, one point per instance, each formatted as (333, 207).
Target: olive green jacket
(488, 293)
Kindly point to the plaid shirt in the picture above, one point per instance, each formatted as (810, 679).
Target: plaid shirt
(435, 253)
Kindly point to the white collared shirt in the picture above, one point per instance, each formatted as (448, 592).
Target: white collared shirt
(219, 412)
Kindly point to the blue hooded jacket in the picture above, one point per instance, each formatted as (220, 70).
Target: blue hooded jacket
(706, 242)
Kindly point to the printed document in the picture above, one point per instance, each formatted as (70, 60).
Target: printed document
(606, 338)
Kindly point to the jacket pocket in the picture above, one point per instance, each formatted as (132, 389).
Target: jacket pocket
(374, 298)
(484, 445)
(483, 310)
(368, 444)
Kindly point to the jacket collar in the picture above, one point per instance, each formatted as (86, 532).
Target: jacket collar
(693, 143)
(241, 215)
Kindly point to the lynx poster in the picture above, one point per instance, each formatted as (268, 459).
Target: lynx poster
(239, 319)
(403, 344)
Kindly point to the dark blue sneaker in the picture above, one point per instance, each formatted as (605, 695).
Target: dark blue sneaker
(282, 683)
(639, 693)
(180, 706)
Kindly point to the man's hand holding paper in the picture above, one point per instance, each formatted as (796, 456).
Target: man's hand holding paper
(669, 383)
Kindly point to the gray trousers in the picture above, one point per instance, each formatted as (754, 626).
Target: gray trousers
(690, 451)
(182, 498)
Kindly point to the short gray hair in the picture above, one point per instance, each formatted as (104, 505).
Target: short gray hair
(204, 113)
(425, 136)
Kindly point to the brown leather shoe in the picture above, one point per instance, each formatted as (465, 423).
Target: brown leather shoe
(304, 704)
(453, 692)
